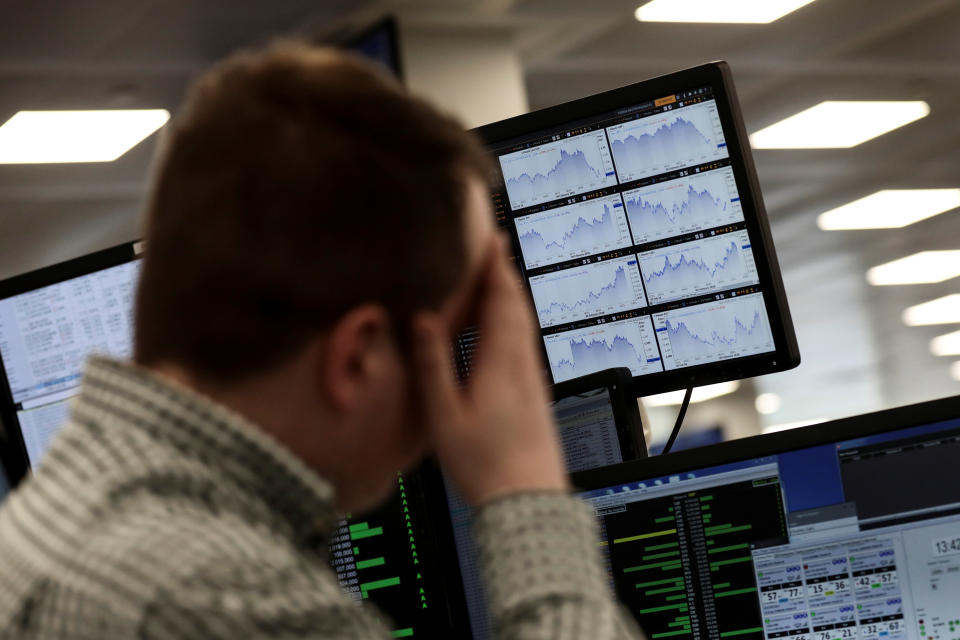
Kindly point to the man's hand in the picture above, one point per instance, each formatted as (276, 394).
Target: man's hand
(494, 436)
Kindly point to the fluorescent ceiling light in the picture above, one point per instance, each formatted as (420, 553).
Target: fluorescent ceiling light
(792, 425)
(946, 345)
(940, 311)
(955, 371)
(890, 209)
(839, 124)
(920, 268)
(726, 11)
(767, 403)
(700, 394)
(32, 137)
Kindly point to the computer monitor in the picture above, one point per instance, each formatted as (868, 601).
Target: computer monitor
(638, 226)
(391, 557)
(844, 530)
(50, 321)
(379, 42)
(599, 424)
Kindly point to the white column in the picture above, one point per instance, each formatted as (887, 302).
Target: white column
(474, 74)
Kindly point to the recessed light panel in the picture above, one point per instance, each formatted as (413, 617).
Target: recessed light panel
(33, 137)
(946, 345)
(838, 124)
(890, 209)
(722, 11)
(920, 268)
(943, 310)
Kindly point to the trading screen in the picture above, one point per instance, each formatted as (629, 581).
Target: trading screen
(856, 540)
(388, 557)
(46, 335)
(633, 240)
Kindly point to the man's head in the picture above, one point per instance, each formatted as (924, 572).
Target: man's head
(304, 207)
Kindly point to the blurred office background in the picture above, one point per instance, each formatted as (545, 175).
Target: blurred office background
(490, 59)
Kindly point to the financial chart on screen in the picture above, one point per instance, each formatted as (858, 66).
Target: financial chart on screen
(713, 331)
(579, 229)
(633, 239)
(593, 289)
(626, 343)
(560, 168)
(691, 203)
(668, 140)
(702, 266)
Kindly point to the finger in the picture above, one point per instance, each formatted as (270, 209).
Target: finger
(504, 292)
(467, 312)
(505, 316)
(438, 391)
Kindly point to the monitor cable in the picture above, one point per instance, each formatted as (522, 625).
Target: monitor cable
(679, 422)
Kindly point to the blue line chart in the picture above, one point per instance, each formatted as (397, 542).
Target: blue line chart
(557, 169)
(587, 291)
(698, 267)
(667, 141)
(715, 331)
(692, 203)
(628, 343)
(573, 231)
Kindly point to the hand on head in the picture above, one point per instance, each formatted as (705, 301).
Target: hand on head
(495, 435)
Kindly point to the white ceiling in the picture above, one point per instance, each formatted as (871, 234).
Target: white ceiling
(857, 354)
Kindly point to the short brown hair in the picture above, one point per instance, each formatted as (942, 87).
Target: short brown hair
(295, 184)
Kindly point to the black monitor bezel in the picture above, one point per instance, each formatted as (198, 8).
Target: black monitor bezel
(770, 444)
(14, 451)
(618, 383)
(718, 76)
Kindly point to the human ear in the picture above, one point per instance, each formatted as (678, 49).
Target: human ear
(351, 356)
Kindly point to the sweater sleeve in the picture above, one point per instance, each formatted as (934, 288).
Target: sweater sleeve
(543, 571)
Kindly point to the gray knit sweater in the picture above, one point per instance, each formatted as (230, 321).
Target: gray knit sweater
(160, 514)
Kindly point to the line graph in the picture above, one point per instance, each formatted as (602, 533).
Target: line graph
(628, 343)
(573, 231)
(702, 266)
(668, 140)
(557, 169)
(583, 292)
(715, 331)
(692, 203)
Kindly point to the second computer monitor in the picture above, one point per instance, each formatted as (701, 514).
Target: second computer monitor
(845, 530)
(638, 225)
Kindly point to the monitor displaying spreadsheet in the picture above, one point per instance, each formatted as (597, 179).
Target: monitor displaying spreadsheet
(50, 321)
